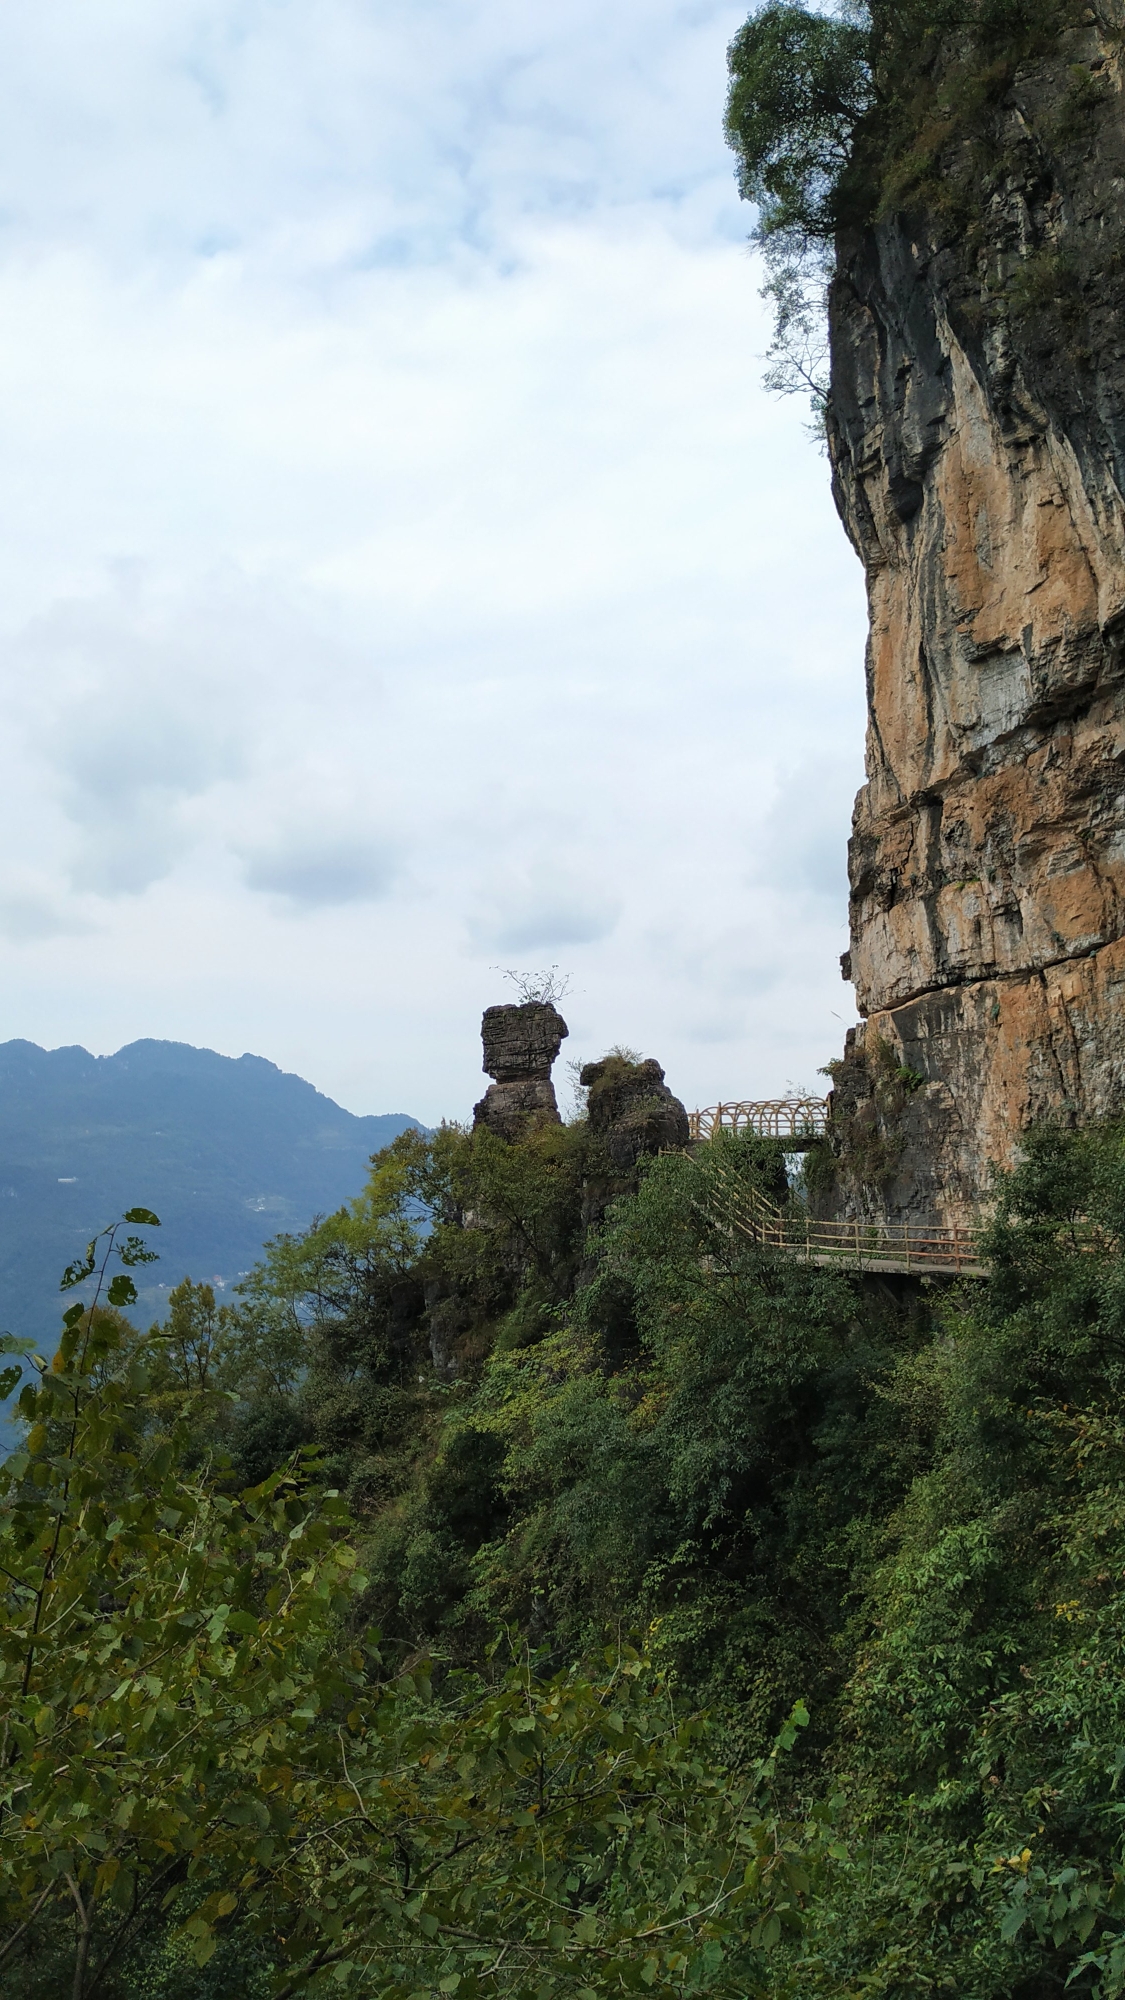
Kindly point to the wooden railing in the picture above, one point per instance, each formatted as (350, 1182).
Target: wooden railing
(918, 1248)
(797, 1118)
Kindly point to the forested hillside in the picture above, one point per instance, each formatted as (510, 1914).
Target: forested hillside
(879, 1538)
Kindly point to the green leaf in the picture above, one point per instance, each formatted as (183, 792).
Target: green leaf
(142, 1215)
(81, 1268)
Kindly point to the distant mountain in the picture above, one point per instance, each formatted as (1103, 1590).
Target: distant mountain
(227, 1150)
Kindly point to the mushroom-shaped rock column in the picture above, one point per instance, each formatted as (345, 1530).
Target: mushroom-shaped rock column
(520, 1045)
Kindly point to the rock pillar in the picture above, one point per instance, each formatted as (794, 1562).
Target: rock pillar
(520, 1046)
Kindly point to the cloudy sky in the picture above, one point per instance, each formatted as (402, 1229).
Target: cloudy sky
(404, 575)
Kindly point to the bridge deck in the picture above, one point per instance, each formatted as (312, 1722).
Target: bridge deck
(913, 1265)
(906, 1249)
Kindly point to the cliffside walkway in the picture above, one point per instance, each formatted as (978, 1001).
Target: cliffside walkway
(799, 1119)
(895, 1248)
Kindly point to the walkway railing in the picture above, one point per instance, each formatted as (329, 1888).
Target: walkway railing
(799, 1118)
(918, 1248)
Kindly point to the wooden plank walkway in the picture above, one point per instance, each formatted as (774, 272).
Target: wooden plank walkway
(907, 1249)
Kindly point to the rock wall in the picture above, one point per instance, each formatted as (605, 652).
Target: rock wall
(977, 440)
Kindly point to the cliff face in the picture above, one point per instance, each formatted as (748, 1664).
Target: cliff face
(977, 436)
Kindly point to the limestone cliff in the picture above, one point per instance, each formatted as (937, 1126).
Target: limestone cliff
(977, 439)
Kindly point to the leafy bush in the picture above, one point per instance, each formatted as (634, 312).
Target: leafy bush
(909, 1514)
(196, 1736)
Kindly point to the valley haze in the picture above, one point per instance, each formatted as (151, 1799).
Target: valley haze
(228, 1151)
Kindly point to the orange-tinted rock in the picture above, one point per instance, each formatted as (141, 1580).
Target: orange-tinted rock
(994, 1056)
(978, 452)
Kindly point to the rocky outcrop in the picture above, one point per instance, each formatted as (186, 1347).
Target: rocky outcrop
(977, 437)
(520, 1046)
(631, 1110)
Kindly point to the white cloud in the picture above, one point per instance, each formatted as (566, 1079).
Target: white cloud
(315, 873)
(802, 850)
(545, 906)
(35, 913)
(397, 538)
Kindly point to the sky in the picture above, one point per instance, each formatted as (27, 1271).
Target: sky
(404, 577)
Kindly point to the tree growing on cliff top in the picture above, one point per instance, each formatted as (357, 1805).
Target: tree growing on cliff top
(826, 115)
(800, 82)
(804, 85)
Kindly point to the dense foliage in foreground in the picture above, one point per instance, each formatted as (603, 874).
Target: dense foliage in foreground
(568, 1408)
(200, 1740)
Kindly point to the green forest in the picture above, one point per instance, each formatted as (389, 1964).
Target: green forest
(531, 1586)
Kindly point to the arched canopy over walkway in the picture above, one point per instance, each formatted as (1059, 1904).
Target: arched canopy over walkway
(799, 1120)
